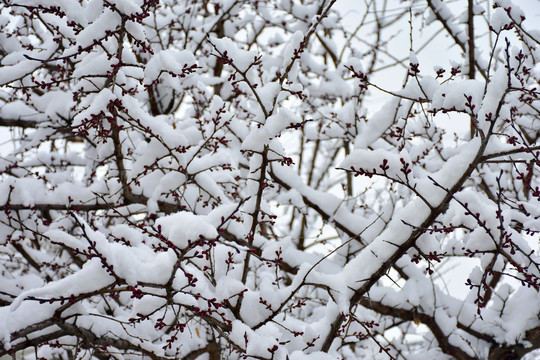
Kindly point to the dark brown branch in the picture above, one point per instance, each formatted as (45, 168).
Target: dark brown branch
(130, 200)
(256, 211)
(407, 244)
(19, 123)
(34, 124)
(414, 315)
(471, 48)
(509, 152)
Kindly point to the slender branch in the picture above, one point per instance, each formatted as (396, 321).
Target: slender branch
(374, 277)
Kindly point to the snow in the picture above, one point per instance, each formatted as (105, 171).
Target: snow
(364, 265)
(268, 93)
(27, 314)
(96, 104)
(479, 240)
(420, 89)
(454, 95)
(241, 59)
(55, 103)
(372, 160)
(496, 89)
(454, 167)
(108, 20)
(376, 125)
(148, 304)
(92, 9)
(356, 64)
(447, 323)
(520, 312)
(183, 227)
(92, 274)
(515, 11)
(252, 311)
(169, 182)
(94, 63)
(9, 73)
(128, 7)
(17, 110)
(499, 19)
(292, 197)
(170, 60)
(413, 60)
(291, 46)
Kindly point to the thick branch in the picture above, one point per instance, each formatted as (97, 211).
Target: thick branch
(406, 245)
(413, 315)
(130, 199)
